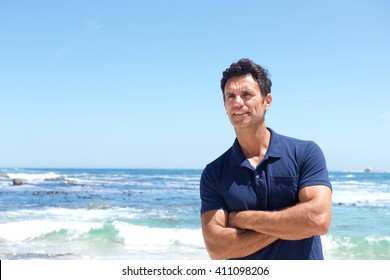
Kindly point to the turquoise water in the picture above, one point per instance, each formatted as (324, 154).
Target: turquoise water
(361, 216)
(154, 214)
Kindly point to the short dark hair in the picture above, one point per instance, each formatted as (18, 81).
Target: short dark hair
(246, 66)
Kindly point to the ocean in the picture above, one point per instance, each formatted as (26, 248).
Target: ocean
(109, 214)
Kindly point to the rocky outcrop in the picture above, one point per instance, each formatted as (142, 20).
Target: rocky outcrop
(17, 182)
(3, 175)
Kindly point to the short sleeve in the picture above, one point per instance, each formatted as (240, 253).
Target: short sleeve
(210, 196)
(313, 170)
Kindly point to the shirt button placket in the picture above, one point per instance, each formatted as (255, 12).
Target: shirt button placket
(258, 179)
(260, 190)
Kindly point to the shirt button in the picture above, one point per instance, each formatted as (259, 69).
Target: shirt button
(257, 176)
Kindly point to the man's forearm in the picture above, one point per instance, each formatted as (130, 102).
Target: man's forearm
(236, 243)
(289, 224)
(271, 223)
(305, 219)
(225, 242)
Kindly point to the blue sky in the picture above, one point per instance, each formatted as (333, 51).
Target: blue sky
(135, 84)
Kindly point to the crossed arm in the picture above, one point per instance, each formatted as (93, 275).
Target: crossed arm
(238, 234)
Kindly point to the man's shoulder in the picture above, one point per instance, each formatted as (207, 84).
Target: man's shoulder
(295, 147)
(214, 169)
(221, 159)
(285, 140)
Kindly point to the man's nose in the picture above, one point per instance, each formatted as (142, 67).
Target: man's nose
(238, 101)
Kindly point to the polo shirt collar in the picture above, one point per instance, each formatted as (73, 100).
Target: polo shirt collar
(238, 158)
(274, 147)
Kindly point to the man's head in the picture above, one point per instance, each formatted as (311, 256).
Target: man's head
(246, 66)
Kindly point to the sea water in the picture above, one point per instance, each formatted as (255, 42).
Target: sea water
(154, 215)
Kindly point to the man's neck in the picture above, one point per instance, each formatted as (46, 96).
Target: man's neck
(254, 143)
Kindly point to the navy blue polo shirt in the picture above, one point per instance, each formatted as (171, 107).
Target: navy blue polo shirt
(231, 183)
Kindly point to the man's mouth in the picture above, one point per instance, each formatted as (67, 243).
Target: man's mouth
(240, 113)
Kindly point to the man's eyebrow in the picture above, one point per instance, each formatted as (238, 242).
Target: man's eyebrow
(229, 94)
(247, 90)
(244, 90)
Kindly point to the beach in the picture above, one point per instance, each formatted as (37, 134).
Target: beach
(143, 214)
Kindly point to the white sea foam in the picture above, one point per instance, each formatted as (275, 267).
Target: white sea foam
(143, 236)
(361, 197)
(361, 193)
(33, 177)
(356, 247)
(66, 214)
(133, 237)
(377, 240)
(26, 230)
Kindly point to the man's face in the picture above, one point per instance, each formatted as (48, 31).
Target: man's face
(244, 104)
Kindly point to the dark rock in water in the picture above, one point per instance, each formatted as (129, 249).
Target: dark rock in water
(17, 182)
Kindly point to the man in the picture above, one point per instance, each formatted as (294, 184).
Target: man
(268, 196)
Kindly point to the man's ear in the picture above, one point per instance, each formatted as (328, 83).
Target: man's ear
(268, 101)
